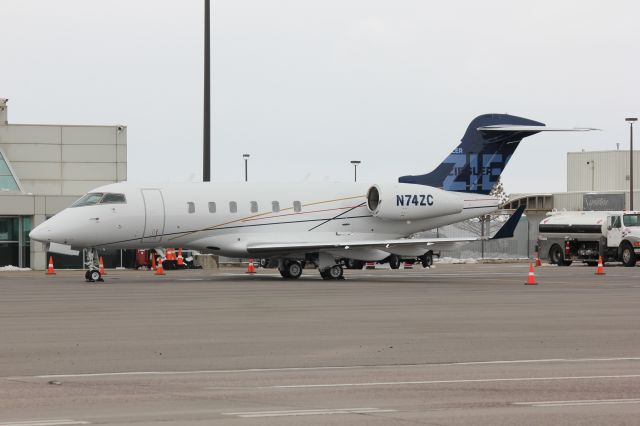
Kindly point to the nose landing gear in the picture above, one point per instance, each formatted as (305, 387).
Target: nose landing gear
(93, 276)
(91, 262)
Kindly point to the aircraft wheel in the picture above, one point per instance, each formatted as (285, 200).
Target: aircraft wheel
(427, 259)
(394, 261)
(93, 276)
(284, 273)
(293, 270)
(335, 272)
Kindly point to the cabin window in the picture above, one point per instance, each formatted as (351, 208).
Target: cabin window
(191, 207)
(233, 207)
(297, 206)
(275, 206)
(212, 207)
(254, 207)
(113, 198)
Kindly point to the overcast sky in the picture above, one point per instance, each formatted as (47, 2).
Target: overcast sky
(305, 86)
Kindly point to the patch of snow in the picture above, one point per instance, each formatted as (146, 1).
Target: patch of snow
(11, 268)
(454, 260)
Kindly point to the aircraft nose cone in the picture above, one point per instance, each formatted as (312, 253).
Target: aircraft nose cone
(39, 233)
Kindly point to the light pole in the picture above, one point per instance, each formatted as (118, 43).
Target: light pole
(355, 169)
(630, 120)
(246, 161)
(206, 122)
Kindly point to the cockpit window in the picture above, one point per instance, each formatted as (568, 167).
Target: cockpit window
(90, 199)
(113, 198)
(93, 198)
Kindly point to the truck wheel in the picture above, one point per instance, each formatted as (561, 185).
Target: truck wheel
(627, 255)
(555, 255)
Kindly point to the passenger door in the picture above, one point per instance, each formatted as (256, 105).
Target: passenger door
(614, 236)
(154, 216)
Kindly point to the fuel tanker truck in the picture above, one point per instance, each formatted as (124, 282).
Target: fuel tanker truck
(577, 236)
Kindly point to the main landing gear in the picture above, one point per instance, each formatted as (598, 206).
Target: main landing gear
(334, 272)
(91, 262)
(329, 269)
(291, 269)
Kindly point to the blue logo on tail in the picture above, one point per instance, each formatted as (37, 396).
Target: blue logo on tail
(476, 164)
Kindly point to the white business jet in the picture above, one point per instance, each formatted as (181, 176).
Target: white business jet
(289, 224)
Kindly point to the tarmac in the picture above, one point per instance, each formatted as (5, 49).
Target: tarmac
(451, 345)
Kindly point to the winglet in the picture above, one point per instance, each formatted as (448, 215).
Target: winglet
(510, 225)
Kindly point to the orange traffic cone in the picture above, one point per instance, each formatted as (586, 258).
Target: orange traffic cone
(408, 265)
(370, 265)
(538, 262)
(180, 258)
(251, 269)
(531, 279)
(50, 270)
(600, 269)
(153, 263)
(159, 269)
(101, 267)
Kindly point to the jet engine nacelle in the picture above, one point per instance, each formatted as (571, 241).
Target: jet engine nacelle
(403, 201)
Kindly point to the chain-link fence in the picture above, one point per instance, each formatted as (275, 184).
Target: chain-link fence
(518, 247)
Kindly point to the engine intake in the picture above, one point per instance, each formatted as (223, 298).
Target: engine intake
(404, 201)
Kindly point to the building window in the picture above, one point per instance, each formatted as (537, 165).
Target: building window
(191, 207)
(297, 206)
(212, 207)
(8, 181)
(254, 207)
(233, 207)
(275, 206)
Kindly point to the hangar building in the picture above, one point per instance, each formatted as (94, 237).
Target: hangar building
(43, 169)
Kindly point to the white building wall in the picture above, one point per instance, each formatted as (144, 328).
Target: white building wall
(55, 165)
(65, 160)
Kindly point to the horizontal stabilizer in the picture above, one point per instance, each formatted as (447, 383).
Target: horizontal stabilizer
(507, 230)
(516, 128)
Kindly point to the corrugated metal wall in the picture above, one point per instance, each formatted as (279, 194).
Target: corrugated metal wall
(601, 170)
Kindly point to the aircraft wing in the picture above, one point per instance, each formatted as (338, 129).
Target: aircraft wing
(506, 231)
(517, 128)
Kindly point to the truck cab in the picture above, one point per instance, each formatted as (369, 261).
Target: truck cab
(614, 230)
(623, 231)
(585, 236)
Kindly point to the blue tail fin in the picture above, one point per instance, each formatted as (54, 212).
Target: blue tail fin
(476, 164)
